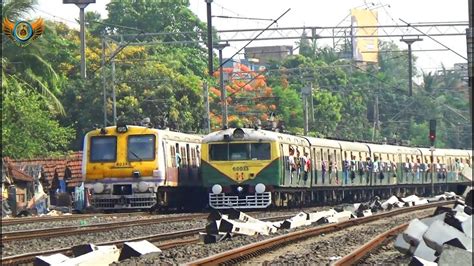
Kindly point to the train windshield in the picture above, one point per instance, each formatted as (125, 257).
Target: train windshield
(103, 149)
(141, 148)
(239, 151)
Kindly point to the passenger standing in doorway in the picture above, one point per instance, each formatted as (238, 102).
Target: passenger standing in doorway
(353, 169)
(361, 169)
(346, 168)
(291, 164)
(324, 168)
(330, 169)
(368, 170)
(307, 167)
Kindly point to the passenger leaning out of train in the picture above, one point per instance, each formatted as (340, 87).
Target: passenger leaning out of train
(291, 163)
(394, 171)
(368, 170)
(408, 171)
(353, 168)
(458, 166)
(324, 168)
(306, 167)
(298, 164)
(346, 168)
(416, 169)
(438, 170)
(376, 170)
(361, 169)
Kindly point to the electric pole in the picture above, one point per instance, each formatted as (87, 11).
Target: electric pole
(410, 74)
(221, 47)
(305, 93)
(209, 37)
(470, 51)
(82, 4)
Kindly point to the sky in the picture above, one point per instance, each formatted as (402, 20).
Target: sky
(313, 13)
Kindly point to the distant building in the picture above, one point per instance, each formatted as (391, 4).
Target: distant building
(266, 53)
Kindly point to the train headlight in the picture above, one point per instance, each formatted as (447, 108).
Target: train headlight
(99, 188)
(142, 186)
(217, 189)
(240, 189)
(121, 128)
(260, 188)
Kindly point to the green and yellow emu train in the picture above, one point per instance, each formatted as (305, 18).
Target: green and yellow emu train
(254, 168)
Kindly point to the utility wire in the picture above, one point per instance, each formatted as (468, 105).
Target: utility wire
(246, 18)
(243, 47)
(410, 25)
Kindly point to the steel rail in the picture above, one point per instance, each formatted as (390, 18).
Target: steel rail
(261, 247)
(13, 221)
(30, 257)
(365, 249)
(99, 227)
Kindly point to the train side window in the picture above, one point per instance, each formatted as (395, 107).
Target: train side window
(184, 158)
(193, 157)
(173, 155)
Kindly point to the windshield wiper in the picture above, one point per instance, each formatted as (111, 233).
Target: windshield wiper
(134, 154)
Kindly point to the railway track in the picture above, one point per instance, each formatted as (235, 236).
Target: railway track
(191, 236)
(25, 220)
(256, 249)
(365, 249)
(74, 230)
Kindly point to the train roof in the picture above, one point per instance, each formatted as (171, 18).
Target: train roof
(392, 149)
(327, 143)
(251, 134)
(453, 152)
(354, 146)
(147, 130)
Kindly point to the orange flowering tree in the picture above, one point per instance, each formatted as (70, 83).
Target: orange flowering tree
(249, 98)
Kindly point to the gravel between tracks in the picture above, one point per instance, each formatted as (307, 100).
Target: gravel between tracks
(34, 245)
(73, 222)
(313, 251)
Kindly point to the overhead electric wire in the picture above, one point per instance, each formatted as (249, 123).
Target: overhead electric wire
(424, 34)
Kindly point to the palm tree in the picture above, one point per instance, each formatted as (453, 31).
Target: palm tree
(27, 68)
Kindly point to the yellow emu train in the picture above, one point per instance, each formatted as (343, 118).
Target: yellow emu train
(137, 167)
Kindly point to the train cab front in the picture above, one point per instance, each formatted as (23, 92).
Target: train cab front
(237, 164)
(120, 169)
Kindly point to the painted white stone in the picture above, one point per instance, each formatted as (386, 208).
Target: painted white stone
(425, 252)
(301, 219)
(402, 245)
(51, 259)
(315, 216)
(104, 255)
(440, 233)
(428, 221)
(461, 216)
(236, 227)
(420, 261)
(414, 232)
(392, 200)
(136, 249)
(420, 202)
(467, 227)
(343, 216)
(411, 198)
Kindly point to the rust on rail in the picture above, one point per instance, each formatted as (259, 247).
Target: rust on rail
(361, 252)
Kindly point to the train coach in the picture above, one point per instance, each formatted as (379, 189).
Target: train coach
(138, 167)
(254, 168)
